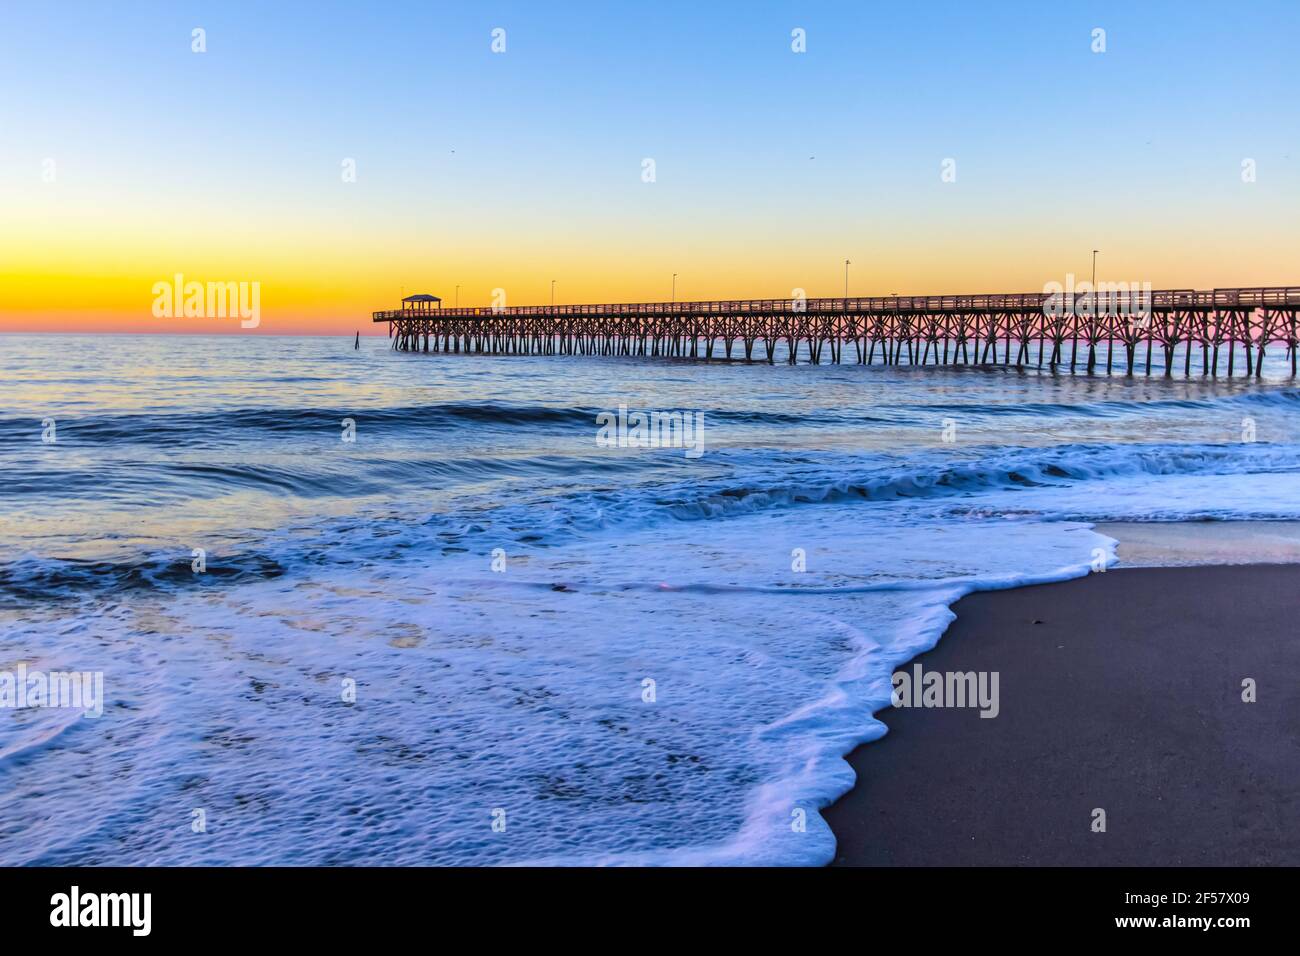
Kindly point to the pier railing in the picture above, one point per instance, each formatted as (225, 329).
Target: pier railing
(1265, 297)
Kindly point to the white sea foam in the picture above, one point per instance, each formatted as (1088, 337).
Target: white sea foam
(480, 691)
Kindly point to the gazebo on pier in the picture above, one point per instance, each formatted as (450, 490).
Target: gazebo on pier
(421, 303)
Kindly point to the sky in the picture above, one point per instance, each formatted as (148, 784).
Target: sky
(940, 147)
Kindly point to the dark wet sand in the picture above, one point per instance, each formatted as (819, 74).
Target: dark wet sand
(1127, 696)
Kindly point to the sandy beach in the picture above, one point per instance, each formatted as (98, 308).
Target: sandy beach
(1121, 691)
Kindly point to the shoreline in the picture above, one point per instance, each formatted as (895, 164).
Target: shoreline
(1119, 691)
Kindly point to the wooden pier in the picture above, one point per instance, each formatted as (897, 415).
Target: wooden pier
(1145, 330)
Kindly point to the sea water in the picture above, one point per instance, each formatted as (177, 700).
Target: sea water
(362, 607)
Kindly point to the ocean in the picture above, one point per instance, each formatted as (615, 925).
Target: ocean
(361, 607)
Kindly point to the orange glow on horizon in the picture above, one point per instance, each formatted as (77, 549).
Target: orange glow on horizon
(316, 283)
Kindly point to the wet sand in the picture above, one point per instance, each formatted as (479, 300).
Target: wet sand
(1120, 691)
(1177, 543)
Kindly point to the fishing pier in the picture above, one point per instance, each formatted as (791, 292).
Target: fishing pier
(1125, 330)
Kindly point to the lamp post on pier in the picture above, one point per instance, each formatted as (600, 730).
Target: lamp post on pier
(1092, 318)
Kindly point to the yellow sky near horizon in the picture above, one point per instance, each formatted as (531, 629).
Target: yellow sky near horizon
(97, 284)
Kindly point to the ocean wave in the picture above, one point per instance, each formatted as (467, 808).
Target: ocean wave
(196, 429)
(32, 578)
(1282, 398)
(981, 482)
(170, 426)
(1019, 468)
